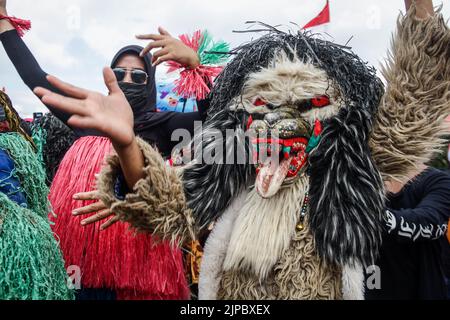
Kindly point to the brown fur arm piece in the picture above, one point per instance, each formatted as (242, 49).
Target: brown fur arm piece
(157, 204)
(410, 121)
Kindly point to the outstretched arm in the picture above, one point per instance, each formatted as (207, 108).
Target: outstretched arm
(24, 61)
(410, 121)
(92, 110)
(157, 203)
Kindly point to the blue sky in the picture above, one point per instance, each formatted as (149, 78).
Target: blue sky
(75, 39)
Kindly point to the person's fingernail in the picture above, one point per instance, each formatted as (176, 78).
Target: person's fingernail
(83, 223)
(74, 212)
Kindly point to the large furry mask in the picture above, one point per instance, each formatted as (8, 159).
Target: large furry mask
(296, 84)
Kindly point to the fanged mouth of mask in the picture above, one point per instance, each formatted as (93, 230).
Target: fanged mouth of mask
(277, 161)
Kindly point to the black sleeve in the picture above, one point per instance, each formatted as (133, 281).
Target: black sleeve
(203, 106)
(27, 67)
(184, 121)
(429, 219)
(179, 121)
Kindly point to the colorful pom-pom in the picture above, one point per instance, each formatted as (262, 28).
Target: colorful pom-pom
(19, 24)
(193, 83)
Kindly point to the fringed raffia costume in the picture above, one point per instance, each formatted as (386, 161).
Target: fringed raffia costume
(31, 264)
(303, 227)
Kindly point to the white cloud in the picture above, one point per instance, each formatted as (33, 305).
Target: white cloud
(53, 55)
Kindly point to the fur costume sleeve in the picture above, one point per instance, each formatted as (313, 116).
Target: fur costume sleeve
(157, 204)
(410, 121)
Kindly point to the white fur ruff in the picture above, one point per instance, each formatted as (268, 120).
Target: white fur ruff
(353, 283)
(264, 229)
(215, 250)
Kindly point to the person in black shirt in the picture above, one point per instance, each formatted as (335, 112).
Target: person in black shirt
(410, 261)
(446, 242)
(442, 162)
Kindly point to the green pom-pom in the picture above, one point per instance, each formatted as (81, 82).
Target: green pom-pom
(209, 45)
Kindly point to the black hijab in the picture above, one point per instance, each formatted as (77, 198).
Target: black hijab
(147, 121)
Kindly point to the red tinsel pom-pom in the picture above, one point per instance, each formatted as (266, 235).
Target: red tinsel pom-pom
(193, 82)
(20, 25)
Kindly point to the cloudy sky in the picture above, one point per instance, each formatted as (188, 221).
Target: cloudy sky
(75, 39)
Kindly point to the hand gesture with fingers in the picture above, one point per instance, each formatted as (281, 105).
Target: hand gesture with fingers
(110, 115)
(102, 212)
(170, 48)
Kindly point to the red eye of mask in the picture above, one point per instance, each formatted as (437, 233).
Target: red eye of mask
(259, 102)
(320, 101)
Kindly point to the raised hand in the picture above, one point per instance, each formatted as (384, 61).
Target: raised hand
(110, 115)
(170, 49)
(425, 8)
(5, 25)
(2, 6)
(102, 212)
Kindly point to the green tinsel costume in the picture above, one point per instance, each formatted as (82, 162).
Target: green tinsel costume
(31, 264)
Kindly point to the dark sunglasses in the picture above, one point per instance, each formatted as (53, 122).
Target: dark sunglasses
(137, 76)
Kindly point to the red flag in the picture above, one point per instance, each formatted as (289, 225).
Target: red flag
(322, 18)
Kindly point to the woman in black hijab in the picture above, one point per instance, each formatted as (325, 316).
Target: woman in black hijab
(115, 263)
(152, 126)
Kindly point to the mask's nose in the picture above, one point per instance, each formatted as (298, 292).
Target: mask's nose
(272, 119)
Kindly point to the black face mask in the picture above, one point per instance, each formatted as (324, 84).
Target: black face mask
(137, 96)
